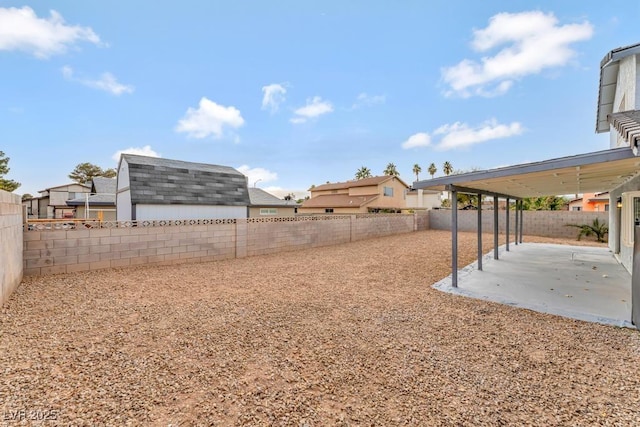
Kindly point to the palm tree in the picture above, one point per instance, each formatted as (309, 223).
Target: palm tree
(600, 229)
(391, 170)
(417, 169)
(363, 172)
(432, 169)
(447, 168)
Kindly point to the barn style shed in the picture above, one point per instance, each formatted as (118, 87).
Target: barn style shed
(151, 188)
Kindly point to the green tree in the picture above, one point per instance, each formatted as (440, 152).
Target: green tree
(432, 169)
(447, 168)
(416, 170)
(391, 170)
(26, 196)
(85, 172)
(363, 172)
(544, 203)
(6, 184)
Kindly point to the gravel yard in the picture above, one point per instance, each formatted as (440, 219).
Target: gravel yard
(342, 335)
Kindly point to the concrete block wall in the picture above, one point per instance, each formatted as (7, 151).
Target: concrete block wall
(11, 245)
(270, 236)
(66, 251)
(536, 223)
(367, 227)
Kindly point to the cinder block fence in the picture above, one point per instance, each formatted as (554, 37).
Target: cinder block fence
(172, 242)
(536, 223)
(10, 243)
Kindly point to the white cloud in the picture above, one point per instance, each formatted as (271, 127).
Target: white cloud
(273, 97)
(107, 82)
(21, 29)
(315, 107)
(531, 41)
(460, 135)
(256, 175)
(142, 151)
(365, 100)
(420, 139)
(209, 119)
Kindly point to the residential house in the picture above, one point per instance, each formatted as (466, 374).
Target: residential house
(591, 202)
(100, 203)
(264, 205)
(151, 188)
(368, 195)
(619, 114)
(423, 199)
(52, 202)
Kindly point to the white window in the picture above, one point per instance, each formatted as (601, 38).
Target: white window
(630, 216)
(268, 211)
(388, 191)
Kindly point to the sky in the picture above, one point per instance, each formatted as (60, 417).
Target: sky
(300, 93)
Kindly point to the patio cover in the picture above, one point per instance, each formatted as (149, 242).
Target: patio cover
(583, 173)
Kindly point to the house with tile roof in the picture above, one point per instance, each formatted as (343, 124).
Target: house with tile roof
(151, 188)
(99, 203)
(368, 195)
(264, 205)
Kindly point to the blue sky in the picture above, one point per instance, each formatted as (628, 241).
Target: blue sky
(298, 93)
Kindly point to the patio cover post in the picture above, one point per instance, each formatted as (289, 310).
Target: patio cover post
(495, 227)
(454, 238)
(521, 219)
(479, 232)
(516, 230)
(507, 224)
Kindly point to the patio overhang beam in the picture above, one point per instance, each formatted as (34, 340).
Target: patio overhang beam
(468, 190)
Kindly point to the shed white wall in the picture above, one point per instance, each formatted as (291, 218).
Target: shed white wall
(123, 206)
(123, 193)
(171, 212)
(123, 176)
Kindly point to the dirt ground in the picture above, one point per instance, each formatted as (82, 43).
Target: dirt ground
(349, 335)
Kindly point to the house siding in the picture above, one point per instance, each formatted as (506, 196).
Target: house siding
(626, 252)
(626, 97)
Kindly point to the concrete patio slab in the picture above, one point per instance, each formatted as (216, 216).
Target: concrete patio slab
(579, 282)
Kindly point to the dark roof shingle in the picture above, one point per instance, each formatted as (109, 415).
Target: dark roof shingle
(155, 180)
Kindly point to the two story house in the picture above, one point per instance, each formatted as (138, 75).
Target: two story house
(52, 202)
(368, 195)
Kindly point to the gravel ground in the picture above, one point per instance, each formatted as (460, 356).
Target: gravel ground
(345, 335)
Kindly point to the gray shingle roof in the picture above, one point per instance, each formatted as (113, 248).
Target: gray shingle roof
(101, 184)
(160, 181)
(259, 197)
(95, 199)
